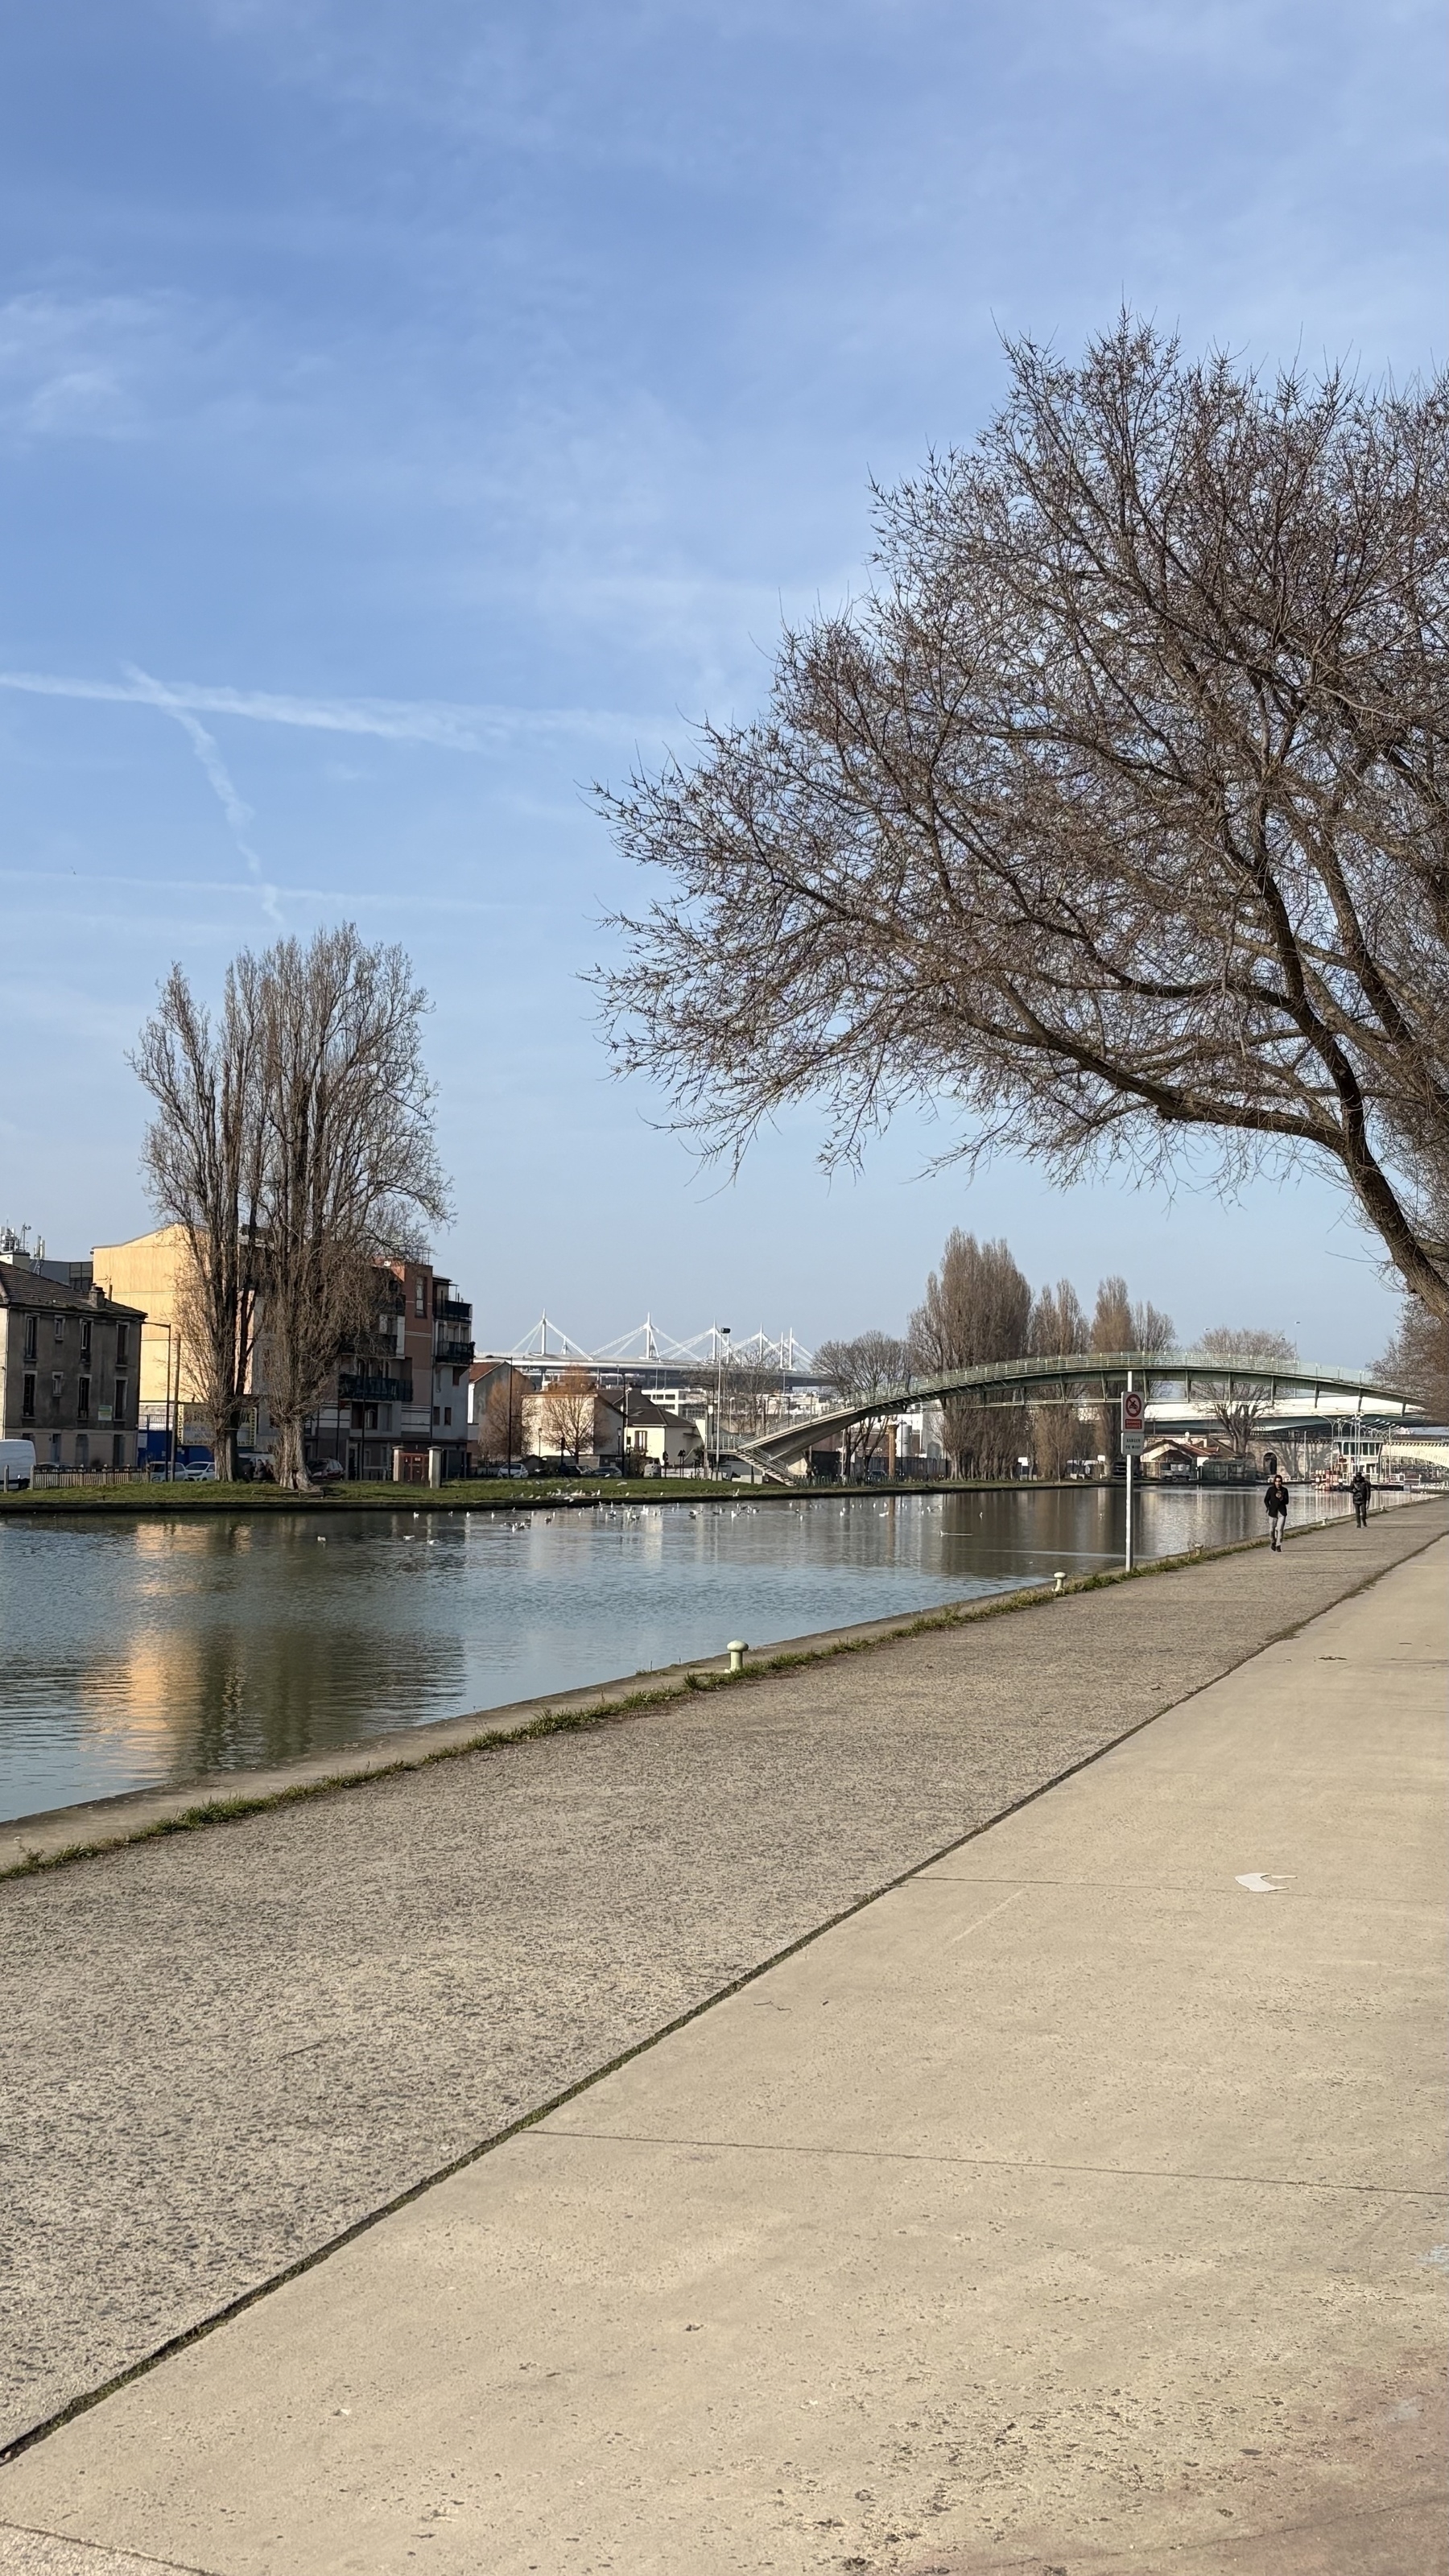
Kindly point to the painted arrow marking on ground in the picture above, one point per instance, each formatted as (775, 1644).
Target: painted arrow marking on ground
(1257, 1885)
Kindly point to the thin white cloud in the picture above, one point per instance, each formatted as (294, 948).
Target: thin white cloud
(438, 722)
(239, 815)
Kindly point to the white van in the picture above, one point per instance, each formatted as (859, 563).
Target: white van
(17, 1465)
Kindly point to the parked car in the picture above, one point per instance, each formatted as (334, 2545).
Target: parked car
(193, 1475)
(329, 1472)
(549, 1467)
(253, 1469)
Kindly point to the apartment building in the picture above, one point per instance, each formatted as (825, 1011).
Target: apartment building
(69, 1367)
(399, 1406)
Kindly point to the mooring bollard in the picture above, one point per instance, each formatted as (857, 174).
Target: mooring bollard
(1059, 1581)
(737, 1651)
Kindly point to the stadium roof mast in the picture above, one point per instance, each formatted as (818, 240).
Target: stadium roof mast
(645, 1346)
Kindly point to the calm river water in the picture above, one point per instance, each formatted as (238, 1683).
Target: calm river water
(140, 1651)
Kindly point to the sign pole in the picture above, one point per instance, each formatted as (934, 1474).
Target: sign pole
(1134, 1432)
(1131, 1463)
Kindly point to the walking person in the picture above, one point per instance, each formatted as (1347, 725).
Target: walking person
(1275, 1504)
(1360, 1489)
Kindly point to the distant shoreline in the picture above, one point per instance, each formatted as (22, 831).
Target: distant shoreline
(168, 1501)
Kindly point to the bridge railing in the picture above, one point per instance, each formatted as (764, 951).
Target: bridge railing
(1083, 1378)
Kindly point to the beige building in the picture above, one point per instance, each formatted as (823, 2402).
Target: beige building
(398, 1404)
(145, 1272)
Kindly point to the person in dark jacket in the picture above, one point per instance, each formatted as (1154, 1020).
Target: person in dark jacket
(1360, 1489)
(1275, 1504)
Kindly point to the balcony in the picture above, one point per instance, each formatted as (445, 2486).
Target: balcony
(449, 1345)
(372, 1386)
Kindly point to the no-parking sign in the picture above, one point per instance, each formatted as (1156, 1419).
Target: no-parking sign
(1134, 1420)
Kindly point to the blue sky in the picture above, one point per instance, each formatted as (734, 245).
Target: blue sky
(410, 413)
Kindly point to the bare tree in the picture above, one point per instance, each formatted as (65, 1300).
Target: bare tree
(1239, 1408)
(501, 1430)
(977, 1307)
(1417, 1359)
(1115, 814)
(749, 1392)
(350, 1166)
(568, 1412)
(1119, 1325)
(1058, 1331)
(203, 1160)
(871, 1365)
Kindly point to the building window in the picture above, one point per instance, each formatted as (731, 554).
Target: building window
(82, 1449)
(85, 1337)
(118, 1450)
(447, 1413)
(372, 1417)
(123, 1344)
(420, 1296)
(435, 1414)
(83, 1401)
(30, 1324)
(120, 1399)
(55, 1455)
(57, 1385)
(27, 1398)
(60, 1328)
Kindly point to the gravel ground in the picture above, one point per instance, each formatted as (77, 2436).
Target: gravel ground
(221, 2050)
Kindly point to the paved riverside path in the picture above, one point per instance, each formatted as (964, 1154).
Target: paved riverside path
(1078, 2205)
(861, 1757)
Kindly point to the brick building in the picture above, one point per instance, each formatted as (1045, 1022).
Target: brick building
(399, 1406)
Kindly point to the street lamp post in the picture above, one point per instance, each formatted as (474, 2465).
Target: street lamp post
(721, 1333)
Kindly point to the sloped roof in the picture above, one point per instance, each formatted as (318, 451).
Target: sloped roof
(30, 1289)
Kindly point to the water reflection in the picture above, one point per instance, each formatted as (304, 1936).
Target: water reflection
(137, 1652)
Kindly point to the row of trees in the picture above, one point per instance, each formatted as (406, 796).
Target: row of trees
(292, 1142)
(979, 1306)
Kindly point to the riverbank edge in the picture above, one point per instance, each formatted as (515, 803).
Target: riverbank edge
(165, 1500)
(152, 1814)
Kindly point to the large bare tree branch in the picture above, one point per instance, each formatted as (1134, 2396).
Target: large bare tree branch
(1114, 811)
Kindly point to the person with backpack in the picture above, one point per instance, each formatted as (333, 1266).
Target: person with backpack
(1275, 1504)
(1360, 1490)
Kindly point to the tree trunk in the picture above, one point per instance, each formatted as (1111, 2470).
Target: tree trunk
(289, 1466)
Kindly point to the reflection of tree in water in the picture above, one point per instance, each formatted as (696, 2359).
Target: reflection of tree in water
(256, 1644)
(288, 1690)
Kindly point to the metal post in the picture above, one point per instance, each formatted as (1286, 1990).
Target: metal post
(1129, 1462)
(721, 1332)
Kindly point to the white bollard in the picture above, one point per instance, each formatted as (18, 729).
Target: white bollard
(1059, 1581)
(737, 1651)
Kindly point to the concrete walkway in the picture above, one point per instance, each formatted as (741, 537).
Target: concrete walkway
(220, 2051)
(1078, 2205)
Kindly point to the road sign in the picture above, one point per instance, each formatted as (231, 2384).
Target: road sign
(1134, 1411)
(1132, 1443)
